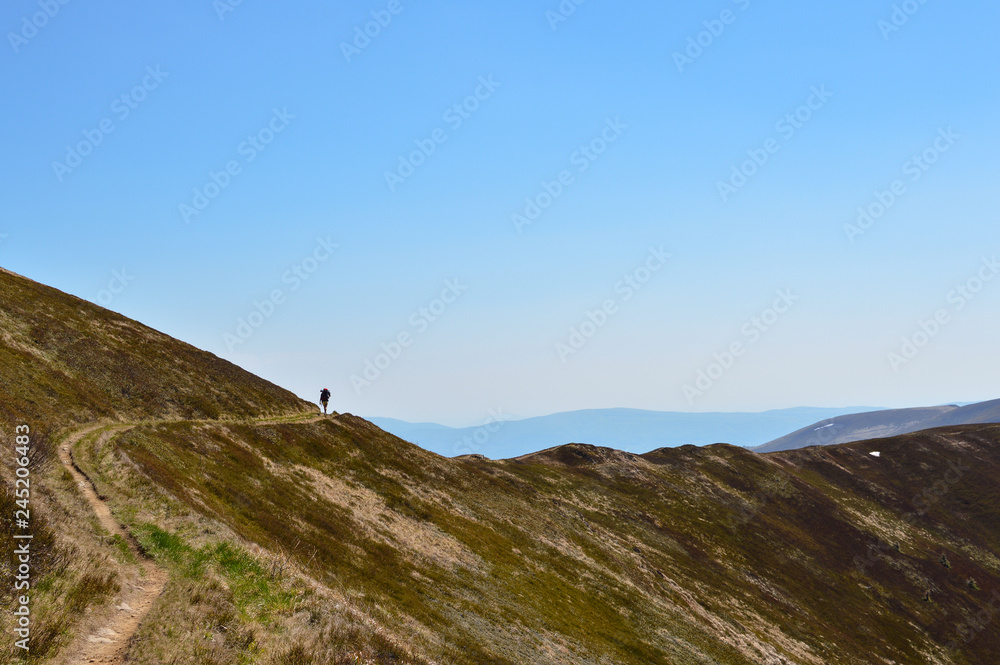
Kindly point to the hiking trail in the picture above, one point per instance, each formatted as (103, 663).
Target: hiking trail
(109, 643)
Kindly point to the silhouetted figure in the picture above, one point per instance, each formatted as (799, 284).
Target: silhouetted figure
(324, 399)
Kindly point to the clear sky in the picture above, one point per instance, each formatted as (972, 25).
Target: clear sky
(556, 206)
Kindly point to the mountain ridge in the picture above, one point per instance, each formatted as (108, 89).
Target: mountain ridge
(66, 360)
(884, 423)
(635, 430)
(298, 539)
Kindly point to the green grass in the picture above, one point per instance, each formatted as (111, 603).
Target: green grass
(257, 592)
(124, 551)
(253, 587)
(167, 547)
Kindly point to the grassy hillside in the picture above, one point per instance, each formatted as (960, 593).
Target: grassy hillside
(64, 360)
(300, 540)
(589, 555)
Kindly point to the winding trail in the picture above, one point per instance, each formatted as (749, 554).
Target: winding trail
(109, 644)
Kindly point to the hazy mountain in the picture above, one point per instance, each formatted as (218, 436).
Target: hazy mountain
(971, 414)
(883, 423)
(288, 538)
(631, 430)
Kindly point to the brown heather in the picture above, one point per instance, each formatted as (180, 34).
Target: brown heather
(296, 539)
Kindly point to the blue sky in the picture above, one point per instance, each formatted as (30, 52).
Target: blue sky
(531, 317)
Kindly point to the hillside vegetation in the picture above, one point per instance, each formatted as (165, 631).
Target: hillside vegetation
(64, 360)
(301, 539)
(589, 555)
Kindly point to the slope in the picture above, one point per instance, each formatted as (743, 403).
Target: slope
(294, 539)
(66, 367)
(858, 427)
(883, 423)
(581, 554)
(66, 361)
(971, 414)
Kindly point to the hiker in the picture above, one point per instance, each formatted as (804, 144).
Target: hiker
(324, 399)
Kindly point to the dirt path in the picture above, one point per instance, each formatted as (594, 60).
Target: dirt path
(303, 419)
(109, 643)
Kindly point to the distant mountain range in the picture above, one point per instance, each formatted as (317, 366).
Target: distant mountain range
(883, 423)
(630, 430)
(639, 431)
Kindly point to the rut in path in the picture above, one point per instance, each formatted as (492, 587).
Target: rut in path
(109, 644)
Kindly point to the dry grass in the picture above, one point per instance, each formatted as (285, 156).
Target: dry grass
(74, 573)
(529, 561)
(575, 556)
(228, 601)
